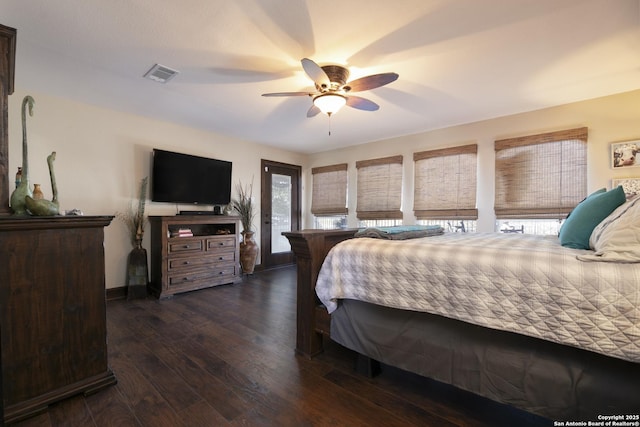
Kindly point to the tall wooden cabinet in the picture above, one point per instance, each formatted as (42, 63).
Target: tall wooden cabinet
(190, 252)
(7, 68)
(52, 311)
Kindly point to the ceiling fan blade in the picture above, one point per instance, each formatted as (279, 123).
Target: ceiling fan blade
(371, 82)
(288, 94)
(313, 111)
(316, 73)
(362, 103)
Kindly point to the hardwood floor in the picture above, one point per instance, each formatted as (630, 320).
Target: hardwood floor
(224, 357)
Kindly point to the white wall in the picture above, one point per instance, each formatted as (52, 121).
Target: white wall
(102, 155)
(610, 119)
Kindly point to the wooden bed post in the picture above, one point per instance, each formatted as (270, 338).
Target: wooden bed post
(310, 248)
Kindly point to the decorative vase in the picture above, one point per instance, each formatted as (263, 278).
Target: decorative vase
(40, 206)
(137, 273)
(248, 252)
(37, 192)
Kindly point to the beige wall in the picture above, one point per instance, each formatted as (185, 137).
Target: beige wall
(102, 155)
(609, 119)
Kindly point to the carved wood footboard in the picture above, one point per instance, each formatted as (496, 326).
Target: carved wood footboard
(310, 248)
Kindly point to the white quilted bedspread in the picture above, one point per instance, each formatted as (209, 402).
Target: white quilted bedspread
(520, 283)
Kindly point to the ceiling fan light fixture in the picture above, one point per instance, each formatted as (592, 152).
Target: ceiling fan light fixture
(329, 103)
(332, 87)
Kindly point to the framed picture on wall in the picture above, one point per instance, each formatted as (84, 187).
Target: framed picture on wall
(631, 186)
(624, 154)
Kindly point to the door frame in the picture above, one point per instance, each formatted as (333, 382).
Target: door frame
(266, 258)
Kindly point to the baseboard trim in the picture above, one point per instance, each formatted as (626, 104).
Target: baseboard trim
(116, 293)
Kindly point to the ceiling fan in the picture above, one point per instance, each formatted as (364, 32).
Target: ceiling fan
(333, 90)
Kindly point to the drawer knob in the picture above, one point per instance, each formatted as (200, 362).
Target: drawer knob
(185, 263)
(221, 258)
(221, 243)
(186, 247)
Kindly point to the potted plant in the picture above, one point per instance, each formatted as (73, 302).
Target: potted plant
(137, 271)
(243, 204)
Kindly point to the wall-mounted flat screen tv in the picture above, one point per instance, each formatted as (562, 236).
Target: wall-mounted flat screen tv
(184, 178)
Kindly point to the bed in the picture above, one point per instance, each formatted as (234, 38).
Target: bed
(516, 318)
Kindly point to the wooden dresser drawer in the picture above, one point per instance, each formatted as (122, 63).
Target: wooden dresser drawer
(200, 260)
(216, 243)
(217, 272)
(185, 244)
(190, 262)
(228, 256)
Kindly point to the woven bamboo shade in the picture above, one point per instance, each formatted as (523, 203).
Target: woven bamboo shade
(379, 188)
(541, 176)
(445, 183)
(329, 195)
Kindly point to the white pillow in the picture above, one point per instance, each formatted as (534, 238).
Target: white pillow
(617, 237)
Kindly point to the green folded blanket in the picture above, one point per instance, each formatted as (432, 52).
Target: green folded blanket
(401, 232)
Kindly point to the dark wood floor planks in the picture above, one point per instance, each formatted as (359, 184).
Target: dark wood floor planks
(224, 357)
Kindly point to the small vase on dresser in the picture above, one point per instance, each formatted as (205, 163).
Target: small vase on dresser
(37, 192)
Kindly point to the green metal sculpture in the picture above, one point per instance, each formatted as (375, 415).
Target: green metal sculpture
(43, 207)
(23, 190)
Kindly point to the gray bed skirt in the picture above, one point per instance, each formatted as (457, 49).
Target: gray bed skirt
(555, 381)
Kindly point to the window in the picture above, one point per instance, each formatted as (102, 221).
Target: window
(540, 177)
(529, 226)
(445, 187)
(379, 222)
(380, 189)
(330, 222)
(329, 196)
(452, 225)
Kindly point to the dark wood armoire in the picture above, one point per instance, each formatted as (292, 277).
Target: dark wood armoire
(7, 68)
(53, 332)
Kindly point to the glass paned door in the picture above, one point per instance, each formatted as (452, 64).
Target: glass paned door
(279, 210)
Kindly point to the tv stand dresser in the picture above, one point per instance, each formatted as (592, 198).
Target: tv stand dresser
(190, 252)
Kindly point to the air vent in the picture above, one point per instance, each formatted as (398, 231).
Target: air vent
(160, 73)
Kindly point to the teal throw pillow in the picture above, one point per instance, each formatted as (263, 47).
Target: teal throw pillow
(602, 190)
(578, 226)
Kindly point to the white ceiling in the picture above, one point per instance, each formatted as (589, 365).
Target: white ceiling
(459, 60)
